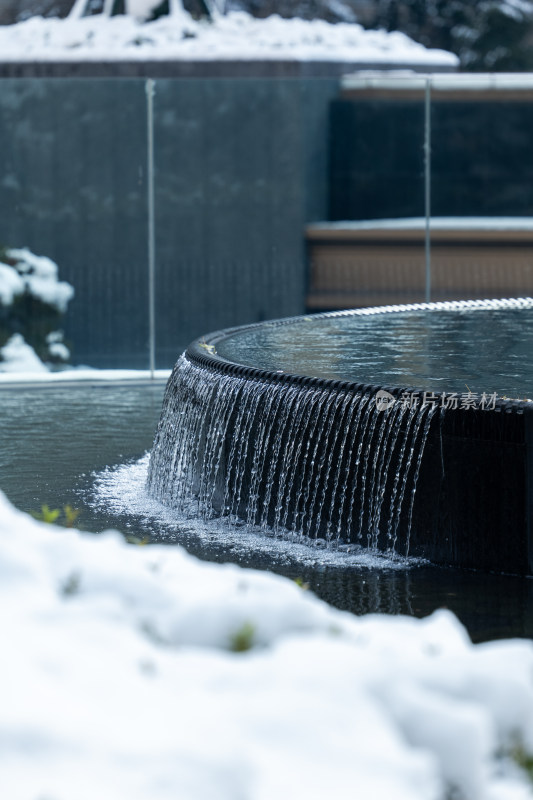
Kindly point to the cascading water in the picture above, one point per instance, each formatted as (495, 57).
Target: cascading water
(300, 462)
(288, 427)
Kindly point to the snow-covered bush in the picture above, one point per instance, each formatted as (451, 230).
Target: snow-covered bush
(32, 304)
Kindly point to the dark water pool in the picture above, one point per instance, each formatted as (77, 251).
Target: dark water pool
(484, 350)
(56, 443)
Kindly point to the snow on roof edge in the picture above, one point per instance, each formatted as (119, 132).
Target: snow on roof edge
(437, 223)
(236, 36)
(456, 81)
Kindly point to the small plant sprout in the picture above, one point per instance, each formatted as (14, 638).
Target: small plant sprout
(242, 639)
(46, 514)
(71, 585)
(71, 515)
(66, 516)
(523, 758)
(137, 540)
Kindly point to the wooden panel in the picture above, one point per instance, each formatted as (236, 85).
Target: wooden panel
(348, 275)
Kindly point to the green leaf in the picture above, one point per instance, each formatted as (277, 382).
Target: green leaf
(46, 514)
(242, 639)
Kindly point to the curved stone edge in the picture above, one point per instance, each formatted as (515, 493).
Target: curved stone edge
(202, 351)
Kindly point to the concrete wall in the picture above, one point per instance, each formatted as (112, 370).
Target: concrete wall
(241, 165)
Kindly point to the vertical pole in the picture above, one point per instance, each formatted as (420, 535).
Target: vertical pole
(151, 223)
(427, 184)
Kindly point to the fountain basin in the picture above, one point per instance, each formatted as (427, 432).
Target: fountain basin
(404, 428)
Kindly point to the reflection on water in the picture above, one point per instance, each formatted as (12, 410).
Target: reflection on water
(491, 606)
(485, 350)
(53, 439)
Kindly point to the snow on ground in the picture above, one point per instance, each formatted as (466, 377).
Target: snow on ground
(140, 672)
(23, 374)
(235, 36)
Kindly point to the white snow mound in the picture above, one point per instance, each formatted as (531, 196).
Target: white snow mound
(18, 356)
(118, 680)
(237, 35)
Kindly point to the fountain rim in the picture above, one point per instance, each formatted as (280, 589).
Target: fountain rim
(202, 351)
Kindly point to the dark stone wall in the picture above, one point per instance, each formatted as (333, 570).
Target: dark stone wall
(377, 161)
(241, 165)
(228, 68)
(482, 159)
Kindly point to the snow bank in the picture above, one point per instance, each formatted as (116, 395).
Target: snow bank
(118, 679)
(235, 36)
(17, 356)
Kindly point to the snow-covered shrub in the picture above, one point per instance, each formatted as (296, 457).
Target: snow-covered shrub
(32, 304)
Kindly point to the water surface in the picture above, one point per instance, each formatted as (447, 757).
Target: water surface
(479, 350)
(85, 446)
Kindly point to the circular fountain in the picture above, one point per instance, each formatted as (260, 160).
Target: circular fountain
(407, 429)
